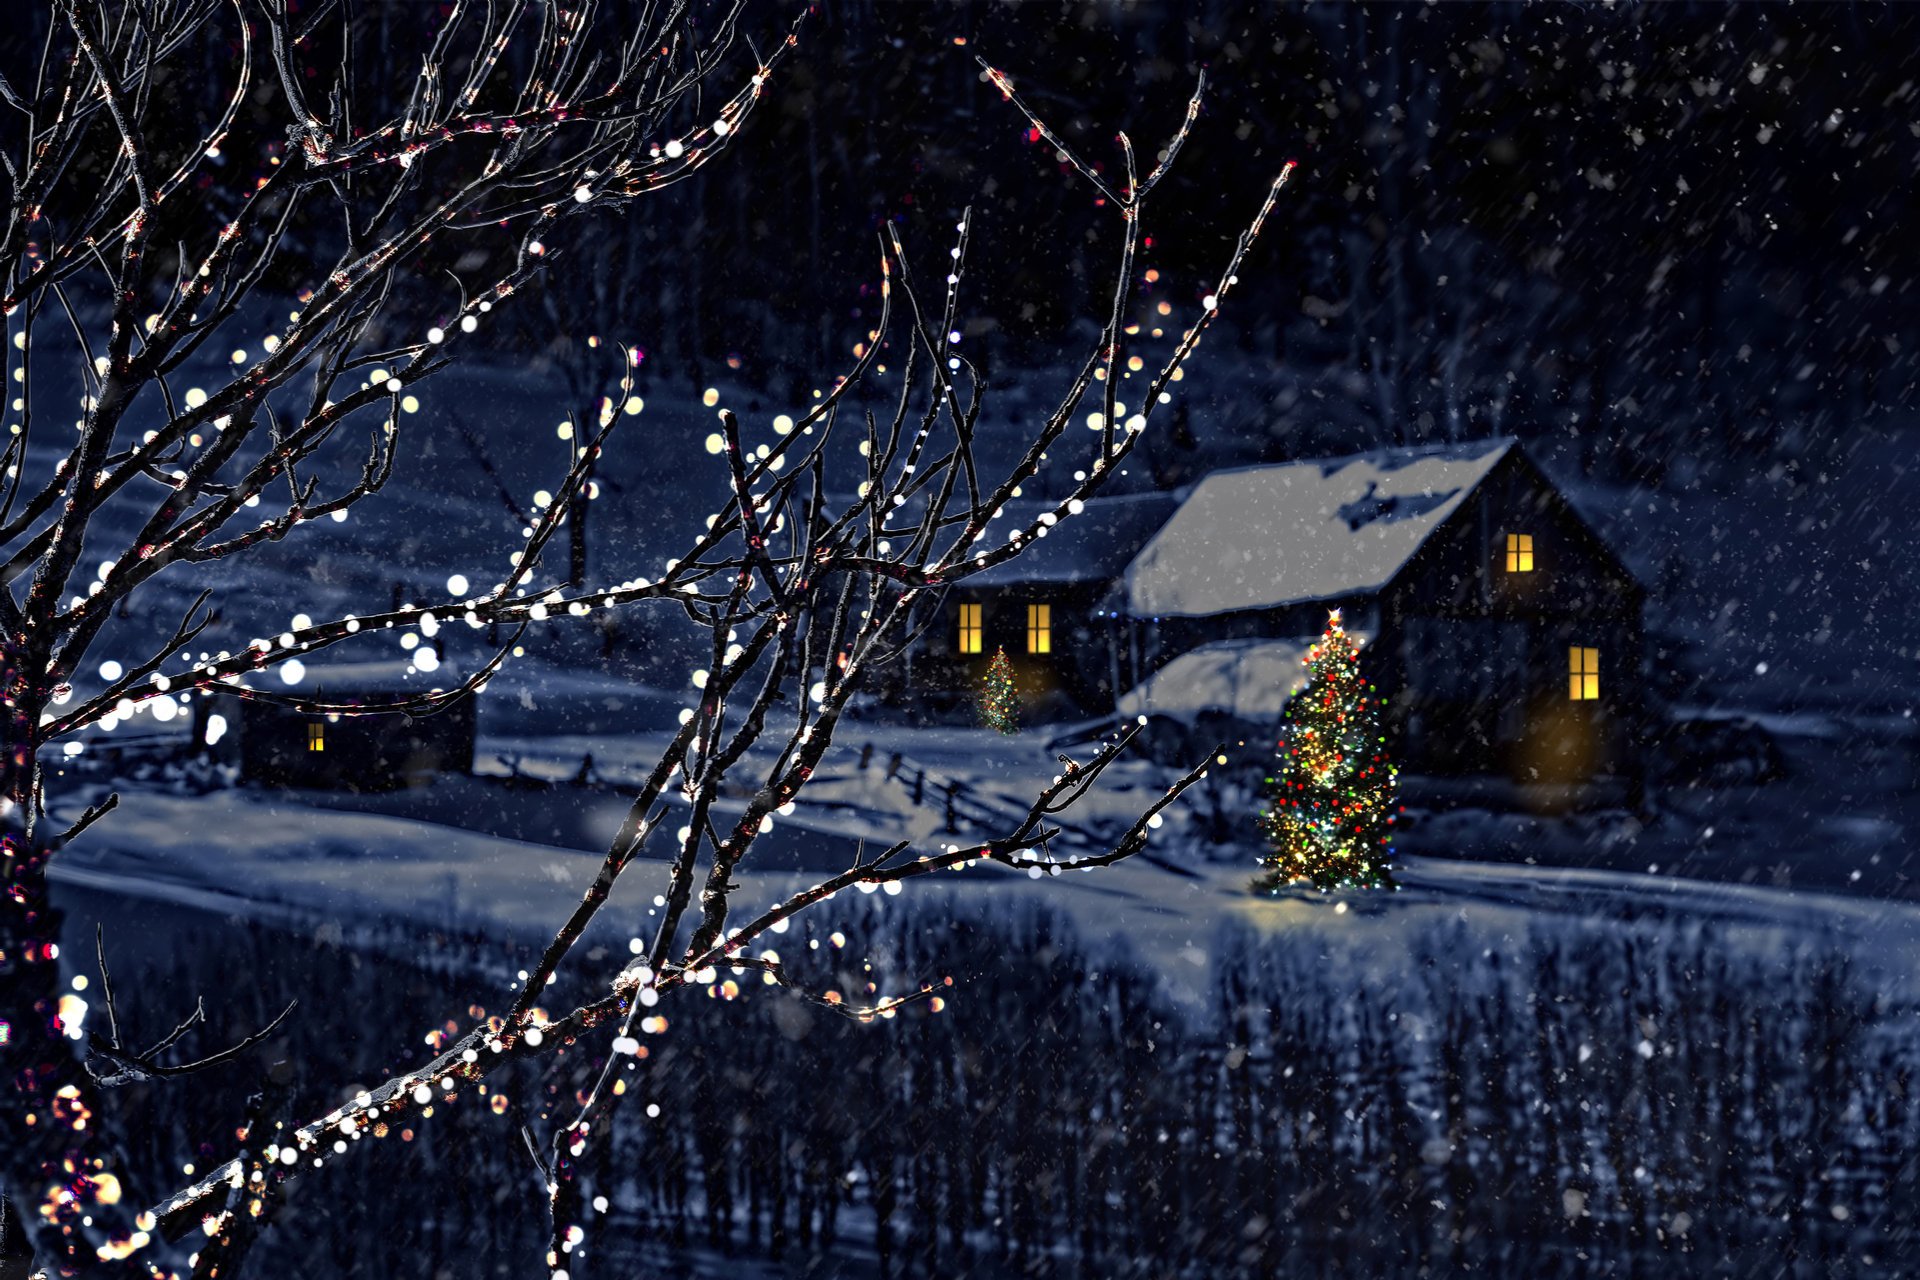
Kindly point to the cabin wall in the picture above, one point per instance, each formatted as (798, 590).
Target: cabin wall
(1475, 660)
(937, 682)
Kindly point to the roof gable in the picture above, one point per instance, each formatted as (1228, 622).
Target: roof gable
(1319, 529)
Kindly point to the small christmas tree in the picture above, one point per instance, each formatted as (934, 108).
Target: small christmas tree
(999, 702)
(1331, 798)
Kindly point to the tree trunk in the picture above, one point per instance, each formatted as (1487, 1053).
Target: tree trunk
(35, 1058)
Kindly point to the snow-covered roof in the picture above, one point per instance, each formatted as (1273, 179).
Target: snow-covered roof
(379, 675)
(1093, 546)
(1320, 529)
(1248, 679)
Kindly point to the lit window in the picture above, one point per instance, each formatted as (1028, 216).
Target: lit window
(1519, 553)
(1039, 628)
(316, 736)
(970, 628)
(1583, 674)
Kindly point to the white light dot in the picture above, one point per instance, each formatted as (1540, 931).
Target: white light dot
(676, 149)
(468, 324)
(436, 335)
(457, 584)
(110, 670)
(293, 671)
(721, 128)
(716, 442)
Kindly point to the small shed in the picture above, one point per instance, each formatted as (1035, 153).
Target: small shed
(276, 744)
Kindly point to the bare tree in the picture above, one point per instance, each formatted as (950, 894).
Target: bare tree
(142, 227)
(800, 597)
(800, 587)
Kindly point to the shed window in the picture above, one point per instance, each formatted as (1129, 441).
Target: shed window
(1039, 628)
(1519, 553)
(316, 736)
(1583, 674)
(970, 628)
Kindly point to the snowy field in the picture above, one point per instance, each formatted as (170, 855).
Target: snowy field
(508, 852)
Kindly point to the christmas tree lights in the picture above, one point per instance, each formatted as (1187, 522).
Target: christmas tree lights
(999, 702)
(1330, 807)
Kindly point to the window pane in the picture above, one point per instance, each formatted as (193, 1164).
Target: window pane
(1039, 628)
(970, 628)
(1583, 673)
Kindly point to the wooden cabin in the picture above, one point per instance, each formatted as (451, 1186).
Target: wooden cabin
(1504, 634)
(276, 745)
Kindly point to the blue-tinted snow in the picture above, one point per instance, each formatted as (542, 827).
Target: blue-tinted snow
(1247, 679)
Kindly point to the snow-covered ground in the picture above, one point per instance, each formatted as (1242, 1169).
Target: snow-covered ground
(509, 852)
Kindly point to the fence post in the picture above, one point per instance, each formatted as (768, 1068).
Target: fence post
(919, 786)
(893, 766)
(866, 755)
(953, 818)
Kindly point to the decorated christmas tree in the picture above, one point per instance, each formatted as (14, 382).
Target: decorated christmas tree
(999, 703)
(1329, 819)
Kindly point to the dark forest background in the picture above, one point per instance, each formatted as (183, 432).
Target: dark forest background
(1640, 230)
(1637, 231)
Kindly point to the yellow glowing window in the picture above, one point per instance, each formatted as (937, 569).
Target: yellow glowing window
(1583, 674)
(1039, 628)
(1519, 553)
(970, 628)
(316, 737)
